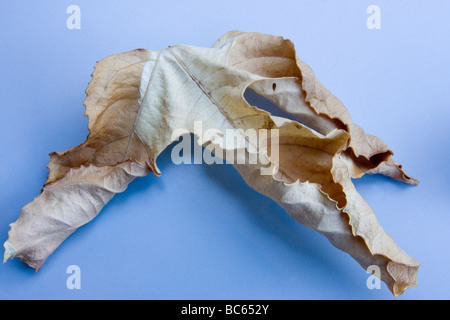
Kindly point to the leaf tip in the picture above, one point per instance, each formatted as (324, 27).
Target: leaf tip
(10, 252)
(404, 276)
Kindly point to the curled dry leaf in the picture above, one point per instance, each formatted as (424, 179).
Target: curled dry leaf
(137, 100)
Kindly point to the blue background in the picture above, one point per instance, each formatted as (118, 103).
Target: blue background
(198, 231)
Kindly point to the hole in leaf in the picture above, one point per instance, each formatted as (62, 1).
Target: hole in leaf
(265, 104)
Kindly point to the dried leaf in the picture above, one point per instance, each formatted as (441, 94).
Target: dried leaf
(139, 102)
